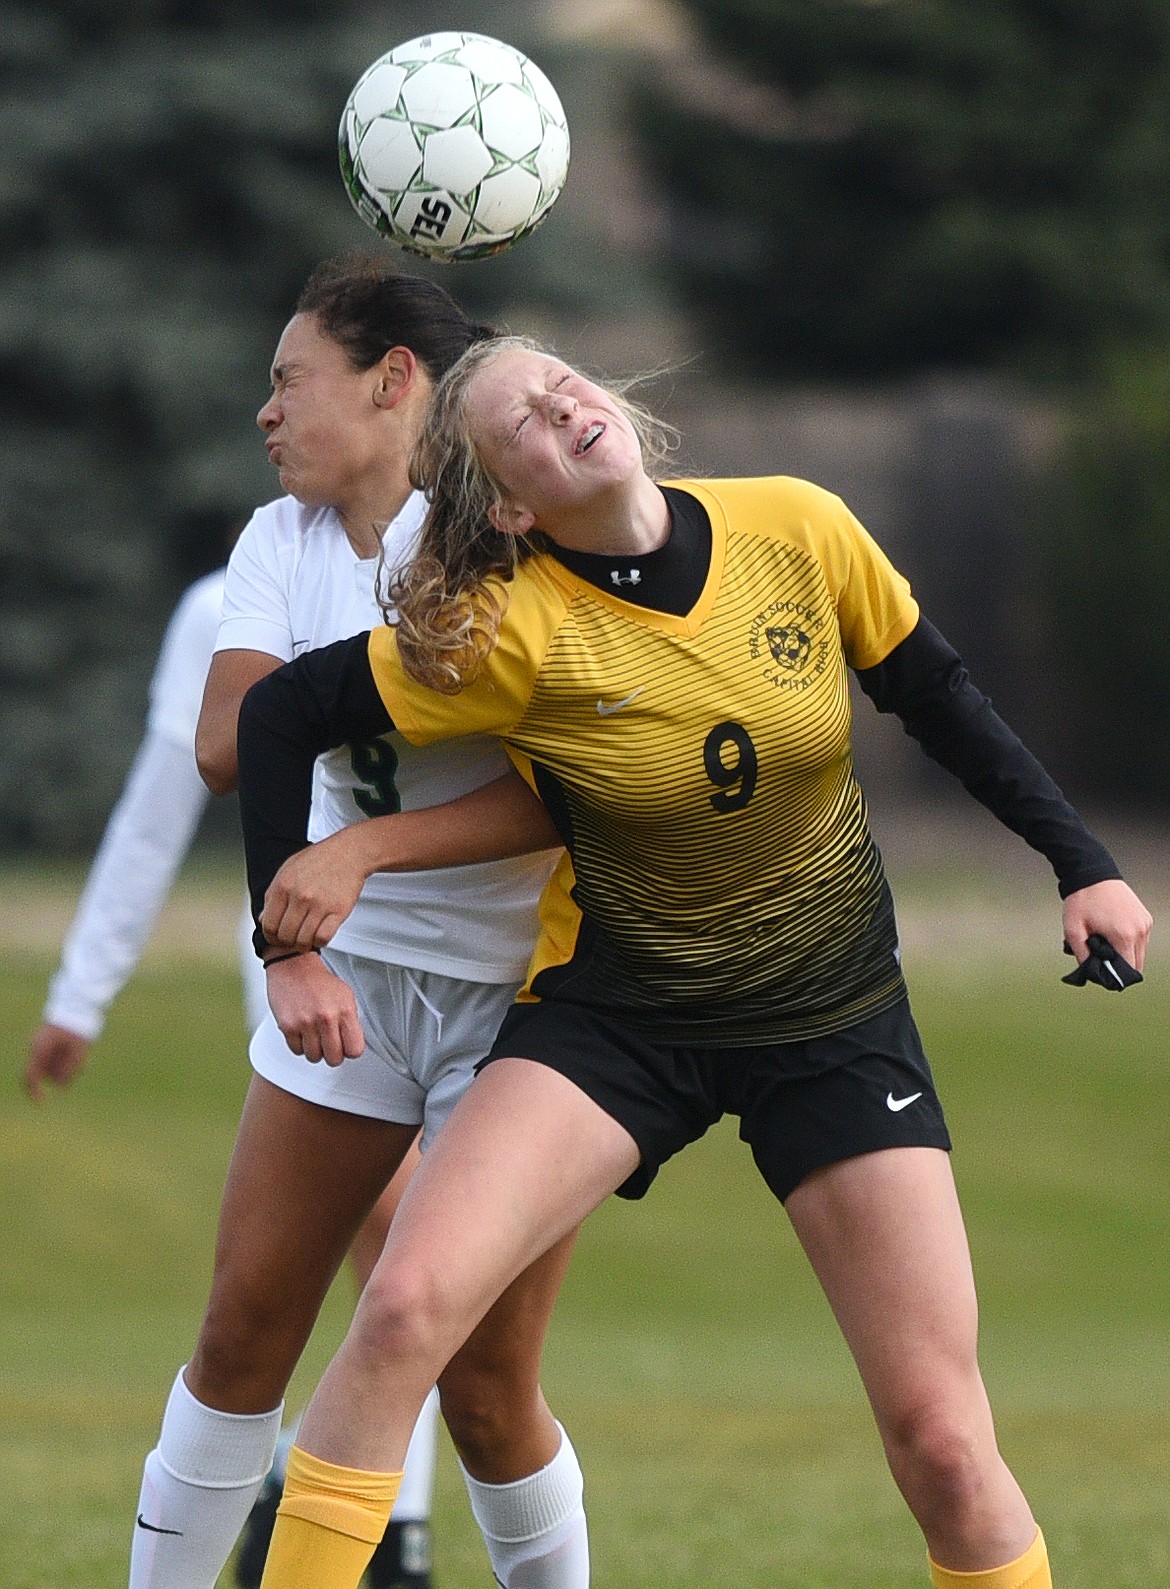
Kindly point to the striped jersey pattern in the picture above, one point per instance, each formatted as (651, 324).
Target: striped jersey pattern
(721, 885)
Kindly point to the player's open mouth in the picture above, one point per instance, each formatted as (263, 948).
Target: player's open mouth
(588, 436)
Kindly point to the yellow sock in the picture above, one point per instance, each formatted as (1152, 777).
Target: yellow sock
(327, 1525)
(1030, 1571)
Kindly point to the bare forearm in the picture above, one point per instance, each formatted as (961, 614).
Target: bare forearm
(502, 819)
(315, 890)
(300, 895)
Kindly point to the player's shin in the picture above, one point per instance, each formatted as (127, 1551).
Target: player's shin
(403, 1559)
(198, 1487)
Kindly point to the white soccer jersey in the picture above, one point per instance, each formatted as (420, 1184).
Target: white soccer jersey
(148, 832)
(295, 583)
(176, 690)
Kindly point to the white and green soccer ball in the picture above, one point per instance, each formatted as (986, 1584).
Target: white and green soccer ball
(454, 145)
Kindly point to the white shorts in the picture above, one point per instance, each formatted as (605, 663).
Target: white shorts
(425, 1033)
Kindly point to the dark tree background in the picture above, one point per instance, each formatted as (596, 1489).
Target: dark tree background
(927, 182)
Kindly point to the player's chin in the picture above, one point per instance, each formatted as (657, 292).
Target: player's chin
(309, 493)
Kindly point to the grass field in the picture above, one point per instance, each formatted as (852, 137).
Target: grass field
(722, 1431)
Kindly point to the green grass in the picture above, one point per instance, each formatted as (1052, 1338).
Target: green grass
(717, 1415)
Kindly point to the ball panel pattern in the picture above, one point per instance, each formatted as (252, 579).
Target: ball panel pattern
(454, 145)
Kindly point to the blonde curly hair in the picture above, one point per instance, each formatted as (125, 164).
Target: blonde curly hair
(449, 601)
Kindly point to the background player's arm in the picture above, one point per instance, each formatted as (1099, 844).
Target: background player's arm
(146, 838)
(314, 1009)
(315, 890)
(230, 677)
(55, 1054)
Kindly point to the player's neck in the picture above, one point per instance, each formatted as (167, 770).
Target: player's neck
(629, 522)
(365, 516)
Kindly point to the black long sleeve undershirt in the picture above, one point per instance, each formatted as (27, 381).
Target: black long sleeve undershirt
(923, 681)
(328, 698)
(320, 700)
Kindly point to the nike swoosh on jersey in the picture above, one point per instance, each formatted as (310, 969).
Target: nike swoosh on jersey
(607, 708)
(894, 1105)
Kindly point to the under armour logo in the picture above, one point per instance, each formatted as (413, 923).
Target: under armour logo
(634, 577)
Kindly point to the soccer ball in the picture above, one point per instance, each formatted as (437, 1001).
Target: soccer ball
(454, 145)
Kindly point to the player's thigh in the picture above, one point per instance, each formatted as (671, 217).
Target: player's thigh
(885, 1236)
(523, 1158)
(301, 1180)
(504, 1348)
(366, 1247)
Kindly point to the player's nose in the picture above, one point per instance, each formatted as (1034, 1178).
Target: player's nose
(560, 407)
(268, 416)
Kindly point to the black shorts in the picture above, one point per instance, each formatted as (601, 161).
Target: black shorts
(800, 1105)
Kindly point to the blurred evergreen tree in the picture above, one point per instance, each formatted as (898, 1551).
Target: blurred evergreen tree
(168, 177)
(899, 184)
(1105, 564)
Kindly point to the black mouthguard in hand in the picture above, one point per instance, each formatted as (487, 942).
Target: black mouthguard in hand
(1104, 966)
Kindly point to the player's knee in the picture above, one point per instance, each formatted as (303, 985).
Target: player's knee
(248, 1346)
(937, 1460)
(402, 1316)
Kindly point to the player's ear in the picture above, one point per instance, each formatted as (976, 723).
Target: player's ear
(509, 518)
(395, 375)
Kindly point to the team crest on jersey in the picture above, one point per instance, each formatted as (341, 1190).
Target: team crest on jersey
(788, 638)
(789, 646)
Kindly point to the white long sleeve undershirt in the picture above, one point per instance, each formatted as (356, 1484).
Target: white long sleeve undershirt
(146, 838)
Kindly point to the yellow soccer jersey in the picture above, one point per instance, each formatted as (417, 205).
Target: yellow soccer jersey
(720, 884)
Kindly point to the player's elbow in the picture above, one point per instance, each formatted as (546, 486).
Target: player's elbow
(215, 756)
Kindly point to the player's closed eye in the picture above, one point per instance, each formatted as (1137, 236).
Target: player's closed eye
(526, 416)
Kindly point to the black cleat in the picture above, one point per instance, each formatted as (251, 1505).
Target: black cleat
(257, 1535)
(403, 1559)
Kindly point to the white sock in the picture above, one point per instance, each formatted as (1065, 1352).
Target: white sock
(413, 1504)
(198, 1487)
(535, 1528)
